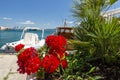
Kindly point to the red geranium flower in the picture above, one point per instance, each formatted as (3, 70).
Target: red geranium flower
(50, 63)
(55, 42)
(28, 61)
(56, 45)
(62, 41)
(32, 65)
(64, 64)
(19, 47)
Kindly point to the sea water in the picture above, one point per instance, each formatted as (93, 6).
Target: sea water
(7, 36)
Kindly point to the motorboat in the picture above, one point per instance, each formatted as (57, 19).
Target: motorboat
(29, 39)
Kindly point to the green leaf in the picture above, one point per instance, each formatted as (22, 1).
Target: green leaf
(81, 43)
(112, 1)
(91, 70)
(98, 77)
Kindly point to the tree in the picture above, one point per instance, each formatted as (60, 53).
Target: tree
(102, 37)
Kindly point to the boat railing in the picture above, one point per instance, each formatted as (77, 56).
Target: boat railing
(26, 28)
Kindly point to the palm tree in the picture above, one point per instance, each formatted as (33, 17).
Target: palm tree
(94, 28)
(87, 12)
(102, 37)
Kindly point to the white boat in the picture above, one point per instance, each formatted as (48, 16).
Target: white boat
(27, 38)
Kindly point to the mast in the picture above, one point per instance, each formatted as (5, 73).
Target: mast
(65, 23)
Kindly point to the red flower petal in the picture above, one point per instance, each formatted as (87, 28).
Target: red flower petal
(19, 47)
(64, 64)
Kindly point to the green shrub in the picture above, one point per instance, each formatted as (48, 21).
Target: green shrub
(97, 42)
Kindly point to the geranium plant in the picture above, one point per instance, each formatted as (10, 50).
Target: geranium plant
(53, 60)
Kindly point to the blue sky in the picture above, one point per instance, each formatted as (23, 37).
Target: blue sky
(116, 5)
(37, 13)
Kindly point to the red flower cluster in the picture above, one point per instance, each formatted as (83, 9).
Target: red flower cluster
(19, 47)
(56, 52)
(56, 44)
(32, 65)
(28, 61)
(50, 63)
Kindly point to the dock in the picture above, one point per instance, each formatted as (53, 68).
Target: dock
(8, 68)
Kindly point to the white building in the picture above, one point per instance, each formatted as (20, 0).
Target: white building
(3, 28)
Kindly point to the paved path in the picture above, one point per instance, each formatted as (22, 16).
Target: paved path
(8, 68)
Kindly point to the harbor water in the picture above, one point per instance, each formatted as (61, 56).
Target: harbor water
(7, 36)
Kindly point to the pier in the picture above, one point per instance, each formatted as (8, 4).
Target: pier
(8, 68)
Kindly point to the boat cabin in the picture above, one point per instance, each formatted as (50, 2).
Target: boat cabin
(67, 32)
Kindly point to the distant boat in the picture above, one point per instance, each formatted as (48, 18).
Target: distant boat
(67, 32)
(27, 38)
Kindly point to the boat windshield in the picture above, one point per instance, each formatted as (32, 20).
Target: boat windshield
(32, 30)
